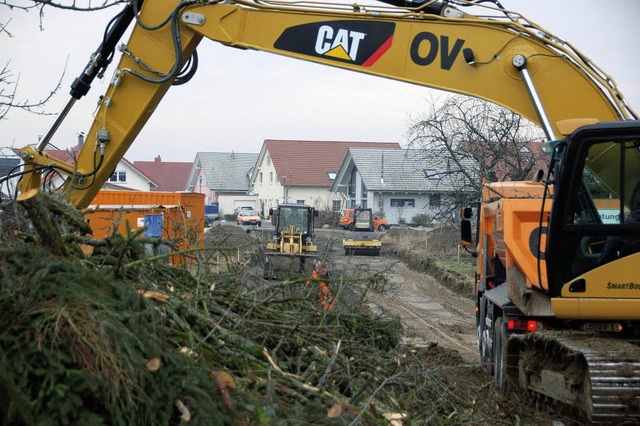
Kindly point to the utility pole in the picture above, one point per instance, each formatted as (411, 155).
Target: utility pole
(284, 190)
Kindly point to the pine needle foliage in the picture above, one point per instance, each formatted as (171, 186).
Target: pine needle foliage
(75, 344)
(120, 338)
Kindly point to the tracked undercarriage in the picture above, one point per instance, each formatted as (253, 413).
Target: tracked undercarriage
(598, 376)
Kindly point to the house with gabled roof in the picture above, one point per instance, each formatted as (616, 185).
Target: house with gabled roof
(168, 176)
(396, 184)
(125, 176)
(302, 171)
(224, 178)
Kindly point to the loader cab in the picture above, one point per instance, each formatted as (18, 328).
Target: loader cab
(297, 216)
(362, 220)
(595, 219)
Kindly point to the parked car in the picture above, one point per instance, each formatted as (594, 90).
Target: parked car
(239, 208)
(346, 220)
(249, 217)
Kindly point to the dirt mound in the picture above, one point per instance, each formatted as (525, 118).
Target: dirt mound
(433, 252)
(227, 235)
(442, 240)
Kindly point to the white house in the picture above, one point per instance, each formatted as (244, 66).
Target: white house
(294, 171)
(125, 176)
(224, 178)
(397, 184)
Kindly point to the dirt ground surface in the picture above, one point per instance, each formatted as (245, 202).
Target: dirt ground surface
(435, 304)
(431, 313)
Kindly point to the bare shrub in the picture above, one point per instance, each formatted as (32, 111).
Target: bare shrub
(326, 217)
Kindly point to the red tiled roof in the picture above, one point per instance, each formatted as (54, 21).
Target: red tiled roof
(155, 174)
(62, 155)
(306, 163)
(116, 187)
(170, 176)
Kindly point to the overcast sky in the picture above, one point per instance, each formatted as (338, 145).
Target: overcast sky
(240, 98)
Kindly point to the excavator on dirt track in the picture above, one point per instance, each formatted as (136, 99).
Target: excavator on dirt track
(557, 283)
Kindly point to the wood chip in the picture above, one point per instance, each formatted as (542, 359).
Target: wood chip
(155, 295)
(185, 414)
(154, 364)
(335, 411)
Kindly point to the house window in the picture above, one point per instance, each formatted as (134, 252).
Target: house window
(300, 202)
(431, 174)
(260, 177)
(118, 177)
(351, 187)
(268, 160)
(434, 200)
(337, 205)
(403, 202)
(270, 177)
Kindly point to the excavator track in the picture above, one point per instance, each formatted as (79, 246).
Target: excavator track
(597, 375)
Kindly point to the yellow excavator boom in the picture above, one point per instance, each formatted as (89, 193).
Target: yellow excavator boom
(497, 55)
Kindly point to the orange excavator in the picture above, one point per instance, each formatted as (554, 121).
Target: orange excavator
(557, 282)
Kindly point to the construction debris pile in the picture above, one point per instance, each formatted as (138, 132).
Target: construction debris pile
(115, 338)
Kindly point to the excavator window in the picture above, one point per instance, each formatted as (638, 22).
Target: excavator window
(602, 217)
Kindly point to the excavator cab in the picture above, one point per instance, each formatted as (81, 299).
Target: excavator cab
(594, 226)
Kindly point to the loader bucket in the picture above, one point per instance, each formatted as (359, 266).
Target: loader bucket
(282, 266)
(362, 244)
(362, 251)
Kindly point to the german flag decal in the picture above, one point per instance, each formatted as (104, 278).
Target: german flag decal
(358, 42)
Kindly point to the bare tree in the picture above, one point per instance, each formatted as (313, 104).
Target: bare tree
(9, 82)
(9, 93)
(474, 141)
(40, 5)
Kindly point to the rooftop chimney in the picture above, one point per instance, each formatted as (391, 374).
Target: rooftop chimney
(157, 159)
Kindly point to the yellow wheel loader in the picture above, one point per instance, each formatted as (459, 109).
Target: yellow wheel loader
(292, 250)
(362, 239)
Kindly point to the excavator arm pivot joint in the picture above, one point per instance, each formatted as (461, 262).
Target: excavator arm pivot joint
(193, 18)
